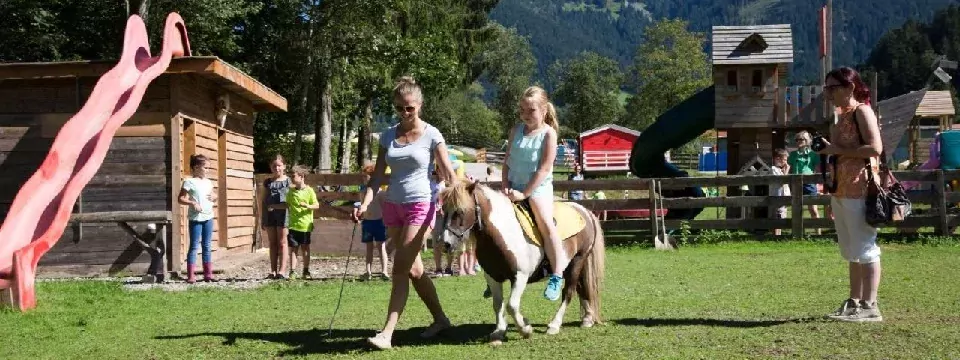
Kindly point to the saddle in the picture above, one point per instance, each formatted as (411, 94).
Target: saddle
(568, 220)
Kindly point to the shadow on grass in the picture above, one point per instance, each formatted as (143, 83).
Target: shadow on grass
(651, 322)
(342, 341)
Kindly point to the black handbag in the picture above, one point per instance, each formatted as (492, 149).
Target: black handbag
(885, 199)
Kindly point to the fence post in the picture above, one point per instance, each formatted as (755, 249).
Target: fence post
(796, 206)
(942, 228)
(654, 225)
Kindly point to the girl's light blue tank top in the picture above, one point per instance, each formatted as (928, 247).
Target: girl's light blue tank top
(525, 155)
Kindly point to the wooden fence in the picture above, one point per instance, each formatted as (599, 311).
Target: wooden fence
(499, 157)
(937, 198)
(337, 192)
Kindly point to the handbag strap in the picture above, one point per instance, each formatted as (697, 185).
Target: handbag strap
(866, 162)
(886, 178)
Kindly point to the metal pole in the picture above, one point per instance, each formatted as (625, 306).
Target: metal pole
(829, 27)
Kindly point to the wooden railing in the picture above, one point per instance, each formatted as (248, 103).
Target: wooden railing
(606, 160)
(496, 157)
(937, 197)
(800, 105)
(337, 192)
(492, 157)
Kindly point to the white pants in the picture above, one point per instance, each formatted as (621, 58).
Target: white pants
(857, 239)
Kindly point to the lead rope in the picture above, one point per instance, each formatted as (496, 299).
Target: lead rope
(343, 280)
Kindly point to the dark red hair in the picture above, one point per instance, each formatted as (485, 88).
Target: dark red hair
(847, 76)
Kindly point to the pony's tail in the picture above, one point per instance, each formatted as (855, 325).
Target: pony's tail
(594, 271)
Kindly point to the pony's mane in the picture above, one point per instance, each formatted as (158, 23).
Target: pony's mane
(456, 197)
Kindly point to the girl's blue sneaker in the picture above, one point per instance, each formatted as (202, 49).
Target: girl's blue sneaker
(554, 285)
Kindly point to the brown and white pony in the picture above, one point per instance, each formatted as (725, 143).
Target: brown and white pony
(474, 212)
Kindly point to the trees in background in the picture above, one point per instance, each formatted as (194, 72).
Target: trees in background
(335, 61)
(669, 67)
(903, 56)
(588, 88)
(510, 67)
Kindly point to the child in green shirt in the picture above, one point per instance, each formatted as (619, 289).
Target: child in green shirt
(301, 201)
(804, 161)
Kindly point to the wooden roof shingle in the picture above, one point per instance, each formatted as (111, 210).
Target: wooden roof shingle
(936, 103)
(753, 44)
(209, 67)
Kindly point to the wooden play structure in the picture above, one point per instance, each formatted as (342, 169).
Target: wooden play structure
(199, 105)
(757, 110)
(934, 114)
(753, 103)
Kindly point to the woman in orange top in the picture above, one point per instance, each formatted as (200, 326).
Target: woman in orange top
(856, 143)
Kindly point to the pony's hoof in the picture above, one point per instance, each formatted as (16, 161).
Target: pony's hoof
(496, 337)
(526, 331)
(553, 330)
(587, 323)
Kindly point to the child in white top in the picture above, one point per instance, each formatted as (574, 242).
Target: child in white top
(780, 167)
(197, 193)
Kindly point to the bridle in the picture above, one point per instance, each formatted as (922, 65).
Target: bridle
(478, 224)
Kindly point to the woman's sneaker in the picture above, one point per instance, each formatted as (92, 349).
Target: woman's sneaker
(380, 342)
(552, 292)
(865, 313)
(849, 307)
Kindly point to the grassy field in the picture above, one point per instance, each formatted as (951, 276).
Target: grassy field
(744, 300)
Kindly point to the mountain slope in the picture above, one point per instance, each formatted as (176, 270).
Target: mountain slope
(561, 29)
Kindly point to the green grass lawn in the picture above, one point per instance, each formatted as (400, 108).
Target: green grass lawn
(743, 300)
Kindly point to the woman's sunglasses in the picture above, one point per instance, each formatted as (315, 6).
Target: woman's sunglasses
(405, 108)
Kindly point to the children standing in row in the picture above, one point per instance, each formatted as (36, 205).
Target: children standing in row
(300, 202)
(197, 193)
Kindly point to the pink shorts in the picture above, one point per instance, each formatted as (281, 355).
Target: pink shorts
(415, 213)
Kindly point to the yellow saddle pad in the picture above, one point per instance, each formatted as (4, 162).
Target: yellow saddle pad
(568, 221)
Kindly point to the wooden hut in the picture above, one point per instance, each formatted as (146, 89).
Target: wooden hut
(201, 105)
(607, 148)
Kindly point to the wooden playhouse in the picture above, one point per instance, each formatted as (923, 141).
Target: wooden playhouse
(607, 149)
(148, 158)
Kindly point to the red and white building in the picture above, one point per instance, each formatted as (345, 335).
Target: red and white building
(607, 148)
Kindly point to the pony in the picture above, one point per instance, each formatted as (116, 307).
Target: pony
(474, 212)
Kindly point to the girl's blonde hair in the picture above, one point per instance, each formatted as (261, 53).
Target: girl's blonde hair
(406, 85)
(368, 168)
(540, 95)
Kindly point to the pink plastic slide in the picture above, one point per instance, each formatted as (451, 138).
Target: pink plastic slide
(41, 210)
